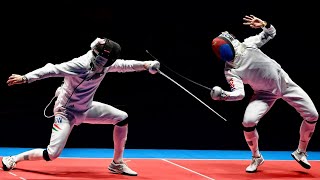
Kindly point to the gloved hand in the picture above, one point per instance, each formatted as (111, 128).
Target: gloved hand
(217, 93)
(152, 66)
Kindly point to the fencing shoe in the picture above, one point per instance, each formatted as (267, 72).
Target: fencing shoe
(121, 168)
(256, 161)
(8, 163)
(301, 158)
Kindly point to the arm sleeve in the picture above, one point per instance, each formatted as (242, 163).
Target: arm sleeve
(261, 38)
(123, 66)
(70, 68)
(236, 85)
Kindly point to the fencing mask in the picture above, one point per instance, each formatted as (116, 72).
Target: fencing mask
(105, 51)
(222, 46)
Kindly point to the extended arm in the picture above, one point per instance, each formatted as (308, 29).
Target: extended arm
(121, 65)
(71, 68)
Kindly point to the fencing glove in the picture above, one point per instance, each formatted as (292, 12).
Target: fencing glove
(217, 93)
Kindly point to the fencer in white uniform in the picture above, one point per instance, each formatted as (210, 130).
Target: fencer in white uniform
(245, 63)
(74, 100)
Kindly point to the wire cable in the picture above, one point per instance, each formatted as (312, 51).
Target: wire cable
(180, 74)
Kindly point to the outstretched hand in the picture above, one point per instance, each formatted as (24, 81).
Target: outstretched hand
(16, 79)
(254, 22)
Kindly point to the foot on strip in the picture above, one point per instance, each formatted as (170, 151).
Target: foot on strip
(121, 168)
(256, 161)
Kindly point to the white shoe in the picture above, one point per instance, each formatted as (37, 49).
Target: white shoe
(121, 168)
(256, 161)
(301, 158)
(8, 163)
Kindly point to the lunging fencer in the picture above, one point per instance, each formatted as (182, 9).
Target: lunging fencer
(75, 105)
(245, 63)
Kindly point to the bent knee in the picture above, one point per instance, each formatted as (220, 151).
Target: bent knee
(54, 156)
(123, 122)
(312, 117)
(315, 116)
(123, 116)
(248, 124)
(121, 119)
(51, 155)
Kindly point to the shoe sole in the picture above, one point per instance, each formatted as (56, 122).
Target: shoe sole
(114, 171)
(256, 169)
(306, 166)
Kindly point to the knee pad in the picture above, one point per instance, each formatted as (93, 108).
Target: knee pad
(311, 122)
(46, 155)
(123, 122)
(249, 129)
(51, 154)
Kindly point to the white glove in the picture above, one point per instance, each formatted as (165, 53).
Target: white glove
(152, 66)
(217, 93)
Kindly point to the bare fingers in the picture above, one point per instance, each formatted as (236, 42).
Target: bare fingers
(14, 79)
(248, 20)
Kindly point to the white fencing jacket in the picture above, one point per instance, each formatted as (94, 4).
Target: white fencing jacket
(251, 66)
(75, 95)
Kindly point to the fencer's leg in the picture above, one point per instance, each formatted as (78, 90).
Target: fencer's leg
(31, 155)
(101, 113)
(259, 105)
(300, 100)
(306, 131)
(60, 133)
(61, 130)
(58, 137)
(9, 162)
(252, 138)
(300, 154)
(257, 108)
(120, 133)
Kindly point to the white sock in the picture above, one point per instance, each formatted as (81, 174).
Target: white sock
(31, 155)
(306, 131)
(119, 139)
(252, 138)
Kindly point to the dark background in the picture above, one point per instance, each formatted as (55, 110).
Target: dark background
(178, 34)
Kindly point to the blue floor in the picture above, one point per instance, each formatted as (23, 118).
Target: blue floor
(166, 153)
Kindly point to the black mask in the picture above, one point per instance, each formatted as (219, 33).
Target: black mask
(110, 51)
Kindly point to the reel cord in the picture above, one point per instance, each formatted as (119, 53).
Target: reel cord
(45, 109)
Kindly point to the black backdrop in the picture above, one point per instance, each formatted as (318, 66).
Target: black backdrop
(162, 115)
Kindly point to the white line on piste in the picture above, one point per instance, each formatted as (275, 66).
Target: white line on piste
(187, 169)
(15, 175)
